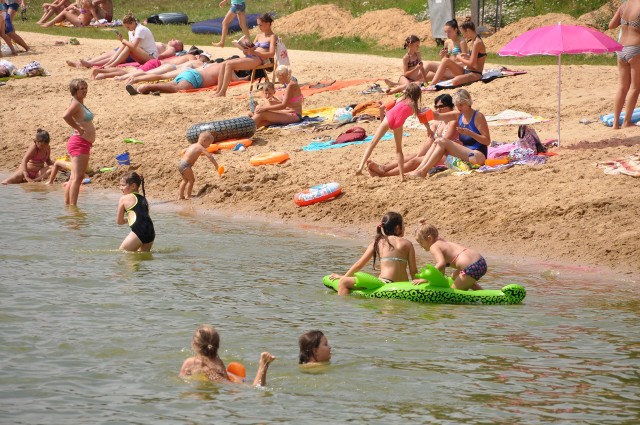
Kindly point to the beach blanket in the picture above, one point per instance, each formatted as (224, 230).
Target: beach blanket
(304, 122)
(327, 112)
(317, 146)
(487, 77)
(233, 83)
(513, 117)
(629, 165)
(311, 89)
(608, 119)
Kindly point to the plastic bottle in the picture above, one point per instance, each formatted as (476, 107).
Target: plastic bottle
(252, 103)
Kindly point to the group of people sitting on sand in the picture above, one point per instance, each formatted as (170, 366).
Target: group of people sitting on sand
(78, 14)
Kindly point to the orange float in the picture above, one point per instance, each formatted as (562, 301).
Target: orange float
(236, 372)
(269, 158)
(318, 193)
(232, 143)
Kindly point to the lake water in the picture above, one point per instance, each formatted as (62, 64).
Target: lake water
(92, 335)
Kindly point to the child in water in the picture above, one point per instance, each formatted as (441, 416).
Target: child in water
(404, 107)
(314, 348)
(470, 265)
(190, 156)
(394, 251)
(136, 209)
(35, 162)
(205, 343)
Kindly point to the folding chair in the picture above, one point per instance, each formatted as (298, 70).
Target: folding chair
(280, 57)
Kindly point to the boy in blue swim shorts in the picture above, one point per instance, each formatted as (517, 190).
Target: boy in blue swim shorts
(238, 8)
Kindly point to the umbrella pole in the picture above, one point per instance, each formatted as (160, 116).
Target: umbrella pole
(559, 93)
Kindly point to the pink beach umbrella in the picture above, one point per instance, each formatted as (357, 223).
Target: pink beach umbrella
(556, 40)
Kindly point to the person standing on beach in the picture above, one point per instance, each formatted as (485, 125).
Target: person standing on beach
(190, 156)
(238, 8)
(79, 145)
(627, 16)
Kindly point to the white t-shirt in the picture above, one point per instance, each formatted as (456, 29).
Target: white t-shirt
(147, 42)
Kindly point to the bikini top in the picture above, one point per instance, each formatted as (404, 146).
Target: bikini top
(263, 44)
(635, 23)
(411, 64)
(455, 51)
(480, 55)
(88, 115)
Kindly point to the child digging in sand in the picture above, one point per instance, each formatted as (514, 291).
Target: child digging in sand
(470, 265)
(190, 156)
(205, 343)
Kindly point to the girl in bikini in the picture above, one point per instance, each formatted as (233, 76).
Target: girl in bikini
(395, 252)
(79, 145)
(260, 53)
(412, 70)
(133, 209)
(470, 265)
(454, 46)
(78, 15)
(627, 16)
(286, 111)
(35, 162)
(403, 108)
(466, 68)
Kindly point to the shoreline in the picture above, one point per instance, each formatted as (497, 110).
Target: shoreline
(565, 210)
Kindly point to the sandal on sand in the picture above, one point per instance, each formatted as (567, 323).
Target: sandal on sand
(375, 88)
(324, 138)
(430, 88)
(131, 90)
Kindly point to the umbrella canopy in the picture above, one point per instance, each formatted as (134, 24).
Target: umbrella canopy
(556, 40)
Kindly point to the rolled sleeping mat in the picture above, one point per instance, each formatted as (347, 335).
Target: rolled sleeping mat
(232, 128)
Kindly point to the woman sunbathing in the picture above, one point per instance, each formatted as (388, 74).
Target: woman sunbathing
(79, 15)
(437, 130)
(153, 66)
(286, 111)
(165, 52)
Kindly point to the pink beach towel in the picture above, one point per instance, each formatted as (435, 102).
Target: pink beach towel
(629, 165)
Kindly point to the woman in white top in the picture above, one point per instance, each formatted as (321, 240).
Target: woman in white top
(141, 45)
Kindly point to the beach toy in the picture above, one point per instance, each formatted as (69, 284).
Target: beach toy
(86, 181)
(134, 141)
(239, 147)
(608, 119)
(237, 369)
(390, 104)
(437, 290)
(269, 158)
(318, 193)
(425, 116)
(233, 143)
(239, 128)
(107, 169)
(220, 170)
(123, 158)
(496, 161)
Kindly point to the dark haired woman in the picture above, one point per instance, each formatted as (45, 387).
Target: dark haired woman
(435, 131)
(465, 68)
(394, 251)
(261, 53)
(412, 70)
(314, 348)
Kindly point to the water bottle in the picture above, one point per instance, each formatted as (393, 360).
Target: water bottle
(252, 103)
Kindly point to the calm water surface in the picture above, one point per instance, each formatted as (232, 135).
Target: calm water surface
(92, 335)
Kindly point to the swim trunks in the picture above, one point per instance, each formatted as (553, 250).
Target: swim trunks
(191, 76)
(627, 53)
(78, 145)
(183, 165)
(476, 270)
(149, 65)
(397, 115)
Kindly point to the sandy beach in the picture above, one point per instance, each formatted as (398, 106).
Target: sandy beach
(566, 210)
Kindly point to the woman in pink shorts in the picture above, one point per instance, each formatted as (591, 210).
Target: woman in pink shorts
(80, 118)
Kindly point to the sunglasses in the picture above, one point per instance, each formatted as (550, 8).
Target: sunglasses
(440, 106)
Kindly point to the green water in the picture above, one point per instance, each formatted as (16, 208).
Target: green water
(92, 335)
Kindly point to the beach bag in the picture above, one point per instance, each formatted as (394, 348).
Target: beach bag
(354, 134)
(281, 53)
(528, 139)
(343, 115)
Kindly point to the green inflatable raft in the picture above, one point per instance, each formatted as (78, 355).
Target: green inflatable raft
(438, 290)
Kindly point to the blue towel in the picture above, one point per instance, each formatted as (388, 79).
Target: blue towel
(318, 146)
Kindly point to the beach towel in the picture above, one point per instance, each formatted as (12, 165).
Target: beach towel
(487, 77)
(307, 89)
(513, 117)
(327, 112)
(608, 119)
(629, 165)
(304, 122)
(317, 146)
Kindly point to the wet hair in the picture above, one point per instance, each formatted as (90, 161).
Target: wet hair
(206, 341)
(462, 96)
(413, 92)
(453, 24)
(75, 84)
(410, 40)
(424, 230)
(129, 19)
(42, 136)
(283, 70)
(468, 24)
(266, 18)
(445, 99)
(308, 343)
(132, 177)
(386, 228)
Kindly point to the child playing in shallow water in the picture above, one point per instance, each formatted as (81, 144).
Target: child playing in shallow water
(314, 348)
(395, 253)
(205, 343)
(35, 162)
(190, 156)
(470, 265)
(135, 208)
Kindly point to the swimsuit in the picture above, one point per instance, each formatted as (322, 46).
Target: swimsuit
(183, 165)
(139, 220)
(476, 270)
(38, 160)
(88, 115)
(393, 259)
(397, 115)
(191, 76)
(78, 145)
(634, 23)
(149, 65)
(628, 52)
(415, 63)
(469, 141)
(455, 51)
(480, 55)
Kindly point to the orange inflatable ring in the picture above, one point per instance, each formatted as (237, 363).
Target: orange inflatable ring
(236, 372)
(269, 158)
(232, 143)
(319, 193)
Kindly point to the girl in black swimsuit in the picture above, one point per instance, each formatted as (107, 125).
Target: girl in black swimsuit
(135, 208)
